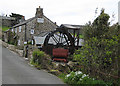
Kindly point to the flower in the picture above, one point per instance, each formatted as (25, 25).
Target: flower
(80, 79)
(78, 72)
(84, 75)
(68, 75)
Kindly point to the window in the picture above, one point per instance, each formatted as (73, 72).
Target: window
(32, 42)
(18, 42)
(20, 28)
(12, 30)
(40, 20)
(23, 30)
(15, 30)
(32, 31)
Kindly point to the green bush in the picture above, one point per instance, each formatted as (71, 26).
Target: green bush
(29, 43)
(100, 53)
(37, 56)
(62, 76)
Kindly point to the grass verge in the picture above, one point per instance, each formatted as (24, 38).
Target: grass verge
(4, 28)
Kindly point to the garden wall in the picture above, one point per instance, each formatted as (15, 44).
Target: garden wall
(13, 48)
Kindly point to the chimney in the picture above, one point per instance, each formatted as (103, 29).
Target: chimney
(39, 12)
(22, 19)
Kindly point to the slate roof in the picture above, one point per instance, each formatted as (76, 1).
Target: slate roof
(39, 40)
(24, 22)
(69, 26)
(42, 34)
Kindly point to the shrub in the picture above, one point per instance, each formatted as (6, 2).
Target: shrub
(100, 54)
(62, 76)
(41, 60)
(29, 43)
(37, 56)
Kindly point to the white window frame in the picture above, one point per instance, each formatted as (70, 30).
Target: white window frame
(18, 42)
(20, 27)
(32, 42)
(40, 20)
(16, 30)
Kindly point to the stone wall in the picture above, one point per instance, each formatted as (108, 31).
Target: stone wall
(13, 48)
(4, 44)
(7, 21)
(21, 35)
(31, 25)
(46, 26)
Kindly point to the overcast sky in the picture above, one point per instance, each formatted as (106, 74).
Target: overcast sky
(77, 12)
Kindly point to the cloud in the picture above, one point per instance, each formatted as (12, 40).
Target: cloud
(61, 11)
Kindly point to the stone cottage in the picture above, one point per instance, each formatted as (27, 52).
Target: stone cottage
(26, 30)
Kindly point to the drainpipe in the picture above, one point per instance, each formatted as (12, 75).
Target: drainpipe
(26, 41)
(25, 32)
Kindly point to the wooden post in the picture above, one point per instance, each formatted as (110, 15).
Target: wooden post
(74, 34)
(9, 36)
(25, 32)
(77, 37)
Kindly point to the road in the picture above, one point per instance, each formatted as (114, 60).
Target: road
(15, 70)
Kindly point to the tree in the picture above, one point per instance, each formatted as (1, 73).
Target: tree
(98, 28)
(17, 17)
(99, 55)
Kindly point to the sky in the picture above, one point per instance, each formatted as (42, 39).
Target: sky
(77, 12)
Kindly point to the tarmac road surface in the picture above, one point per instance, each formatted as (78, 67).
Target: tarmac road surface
(15, 70)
